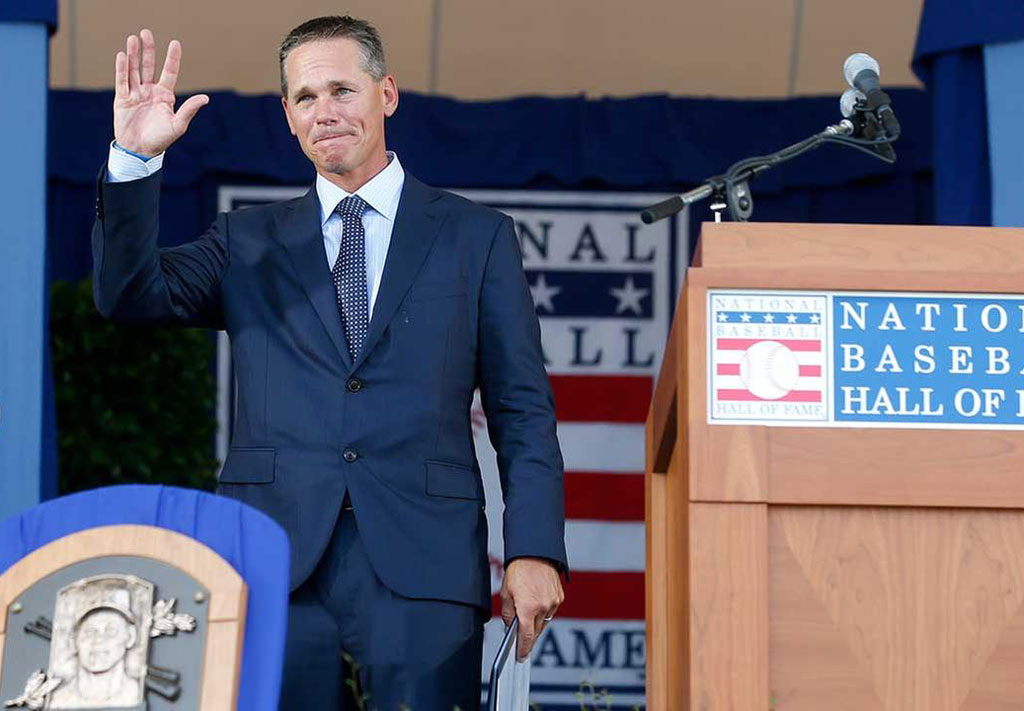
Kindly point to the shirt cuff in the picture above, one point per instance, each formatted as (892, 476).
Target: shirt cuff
(123, 166)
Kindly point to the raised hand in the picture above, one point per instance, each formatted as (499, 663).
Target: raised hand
(145, 121)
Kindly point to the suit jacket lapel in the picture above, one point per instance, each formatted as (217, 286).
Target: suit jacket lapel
(300, 231)
(417, 222)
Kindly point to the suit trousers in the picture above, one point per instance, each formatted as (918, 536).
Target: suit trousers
(350, 636)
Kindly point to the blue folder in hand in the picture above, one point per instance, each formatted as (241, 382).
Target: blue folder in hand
(510, 680)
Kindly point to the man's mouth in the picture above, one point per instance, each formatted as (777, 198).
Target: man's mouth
(332, 137)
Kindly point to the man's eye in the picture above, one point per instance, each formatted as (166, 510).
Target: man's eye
(304, 97)
(342, 90)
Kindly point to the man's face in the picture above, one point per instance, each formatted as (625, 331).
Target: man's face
(337, 110)
(102, 640)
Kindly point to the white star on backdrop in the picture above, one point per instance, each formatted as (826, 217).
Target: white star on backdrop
(723, 317)
(768, 318)
(745, 318)
(815, 318)
(543, 294)
(791, 318)
(629, 297)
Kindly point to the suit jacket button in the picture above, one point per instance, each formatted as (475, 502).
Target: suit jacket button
(349, 455)
(354, 385)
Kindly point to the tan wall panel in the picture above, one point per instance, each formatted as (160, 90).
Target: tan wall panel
(60, 49)
(230, 43)
(831, 31)
(493, 49)
(599, 47)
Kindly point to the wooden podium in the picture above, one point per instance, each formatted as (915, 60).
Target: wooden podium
(844, 568)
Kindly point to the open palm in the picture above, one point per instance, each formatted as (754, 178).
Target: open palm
(145, 121)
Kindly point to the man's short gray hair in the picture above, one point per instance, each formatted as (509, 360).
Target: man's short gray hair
(334, 27)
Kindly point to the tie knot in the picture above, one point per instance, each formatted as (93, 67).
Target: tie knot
(353, 206)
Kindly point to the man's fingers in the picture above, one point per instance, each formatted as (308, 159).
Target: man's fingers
(540, 622)
(121, 75)
(526, 637)
(133, 63)
(184, 115)
(148, 57)
(535, 590)
(172, 64)
(543, 618)
(508, 610)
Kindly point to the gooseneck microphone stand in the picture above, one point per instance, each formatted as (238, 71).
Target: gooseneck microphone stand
(730, 192)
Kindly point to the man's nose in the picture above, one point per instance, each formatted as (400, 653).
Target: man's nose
(325, 116)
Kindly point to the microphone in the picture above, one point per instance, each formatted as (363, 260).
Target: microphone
(864, 107)
(861, 72)
(848, 102)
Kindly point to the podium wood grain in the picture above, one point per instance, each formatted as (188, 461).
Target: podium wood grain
(728, 606)
(854, 569)
(666, 490)
(897, 608)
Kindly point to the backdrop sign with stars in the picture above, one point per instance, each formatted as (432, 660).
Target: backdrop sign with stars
(866, 359)
(604, 286)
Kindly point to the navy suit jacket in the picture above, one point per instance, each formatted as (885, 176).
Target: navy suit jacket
(393, 428)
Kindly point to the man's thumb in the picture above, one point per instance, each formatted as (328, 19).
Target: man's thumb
(188, 110)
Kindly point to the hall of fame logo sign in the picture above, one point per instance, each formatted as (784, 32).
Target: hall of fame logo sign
(865, 359)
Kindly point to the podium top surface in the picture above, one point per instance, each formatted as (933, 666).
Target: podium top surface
(888, 248)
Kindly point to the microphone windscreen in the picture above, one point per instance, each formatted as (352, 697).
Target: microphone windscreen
(856, 63)
(848, 102)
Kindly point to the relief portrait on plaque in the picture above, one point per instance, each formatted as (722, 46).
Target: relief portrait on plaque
(100, 640)
(100, 637)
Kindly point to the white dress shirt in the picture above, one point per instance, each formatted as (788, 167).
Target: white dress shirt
(381, 193)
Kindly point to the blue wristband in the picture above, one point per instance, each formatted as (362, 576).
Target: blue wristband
(141, 157)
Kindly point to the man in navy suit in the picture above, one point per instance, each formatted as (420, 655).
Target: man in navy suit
(362, 318)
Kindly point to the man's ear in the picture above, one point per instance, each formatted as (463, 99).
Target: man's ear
(133, 637)
(287, 114)
(390, 90)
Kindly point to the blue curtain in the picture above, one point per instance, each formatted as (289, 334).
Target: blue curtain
(949, 59)
(1004, 67)
(28, 439)
(652, 143)
(34, 11)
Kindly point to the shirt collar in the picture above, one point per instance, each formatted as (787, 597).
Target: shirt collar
(381, 192)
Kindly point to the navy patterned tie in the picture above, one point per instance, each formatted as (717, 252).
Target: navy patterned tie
(349, 273)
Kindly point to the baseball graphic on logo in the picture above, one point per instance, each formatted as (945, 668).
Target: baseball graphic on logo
(769, 370)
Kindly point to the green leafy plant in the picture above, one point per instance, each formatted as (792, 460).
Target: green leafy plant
(593, 699)
(353, 682)
(135, 404)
